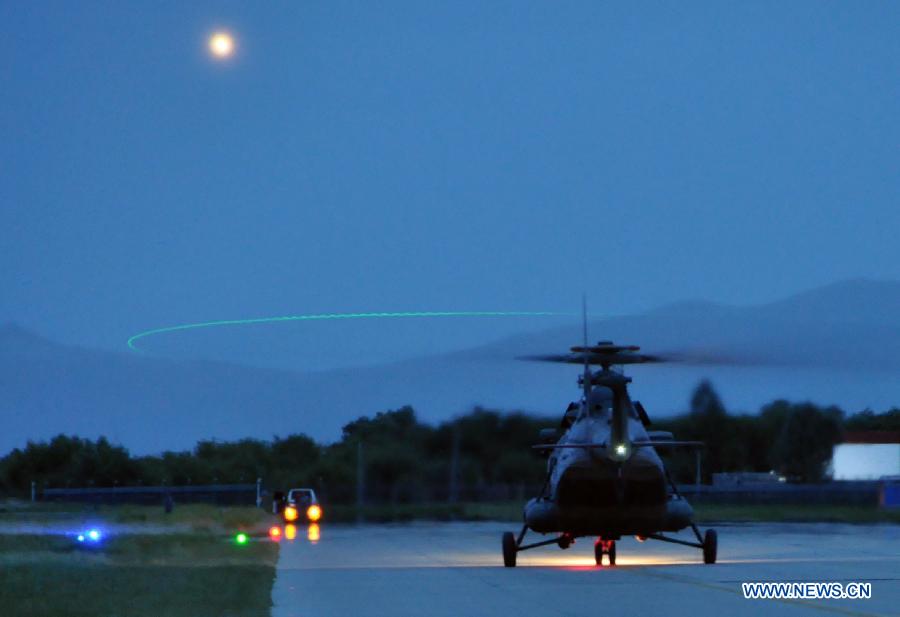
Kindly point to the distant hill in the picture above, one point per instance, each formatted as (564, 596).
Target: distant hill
(848, 323)
(836, 344)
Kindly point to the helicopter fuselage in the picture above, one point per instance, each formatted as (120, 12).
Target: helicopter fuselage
(603, 478)
(604, 475)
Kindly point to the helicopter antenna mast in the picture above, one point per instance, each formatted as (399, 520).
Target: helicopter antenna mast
(586, 377)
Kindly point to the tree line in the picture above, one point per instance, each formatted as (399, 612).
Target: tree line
(405, 460)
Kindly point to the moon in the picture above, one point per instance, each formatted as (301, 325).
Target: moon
(221, 45)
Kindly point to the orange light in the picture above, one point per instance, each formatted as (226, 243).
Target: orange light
(314, 513)
(290, 513)
(313, 533)
(275, 533)
(290, 532)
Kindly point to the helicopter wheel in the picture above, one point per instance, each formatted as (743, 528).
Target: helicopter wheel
(509, 550)
(605, 547)
(710, 546)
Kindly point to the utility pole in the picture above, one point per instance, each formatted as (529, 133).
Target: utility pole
(360, 481)
(697, 465)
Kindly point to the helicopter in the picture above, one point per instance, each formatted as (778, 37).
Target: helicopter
(605, 478)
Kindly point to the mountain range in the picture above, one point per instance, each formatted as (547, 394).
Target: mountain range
(832, 345)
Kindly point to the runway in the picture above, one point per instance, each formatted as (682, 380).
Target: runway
(455, 569)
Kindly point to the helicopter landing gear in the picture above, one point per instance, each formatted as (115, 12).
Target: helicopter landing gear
(509, 550)
(708, 542)
(512, 545)
(710, 546)
(605, 547)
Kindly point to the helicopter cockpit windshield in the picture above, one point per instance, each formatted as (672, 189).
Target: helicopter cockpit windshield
(600, 403)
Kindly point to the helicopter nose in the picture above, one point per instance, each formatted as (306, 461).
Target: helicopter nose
(620, 451)
(591, 486)
(603, 483)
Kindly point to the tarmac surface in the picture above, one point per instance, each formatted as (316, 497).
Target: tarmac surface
(456, 569)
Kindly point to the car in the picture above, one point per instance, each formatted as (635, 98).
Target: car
(302, 502)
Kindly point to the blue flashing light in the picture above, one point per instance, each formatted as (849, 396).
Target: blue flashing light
(90, 537)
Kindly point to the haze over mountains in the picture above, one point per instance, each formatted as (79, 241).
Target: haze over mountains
(836, 344)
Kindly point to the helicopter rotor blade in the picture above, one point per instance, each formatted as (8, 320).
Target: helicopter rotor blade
(586, 375)
(594, 358)
(608, 354)
(668, 444)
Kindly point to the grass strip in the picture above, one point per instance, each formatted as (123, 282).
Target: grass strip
(175, 575)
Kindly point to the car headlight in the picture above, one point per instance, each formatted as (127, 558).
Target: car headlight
(314, 513)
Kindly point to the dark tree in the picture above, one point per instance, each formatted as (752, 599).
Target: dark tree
(806, 441)
(868, 420)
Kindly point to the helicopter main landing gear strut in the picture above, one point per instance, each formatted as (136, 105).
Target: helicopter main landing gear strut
(512, 545)
(708, 542)
(605, 547)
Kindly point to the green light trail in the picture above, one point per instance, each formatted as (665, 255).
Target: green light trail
(331, 316)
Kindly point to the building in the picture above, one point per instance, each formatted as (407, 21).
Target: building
(867, 455)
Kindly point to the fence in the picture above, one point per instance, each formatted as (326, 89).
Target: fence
(830, 493)
(220, 494)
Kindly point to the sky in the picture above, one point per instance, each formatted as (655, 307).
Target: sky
(404, 156)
